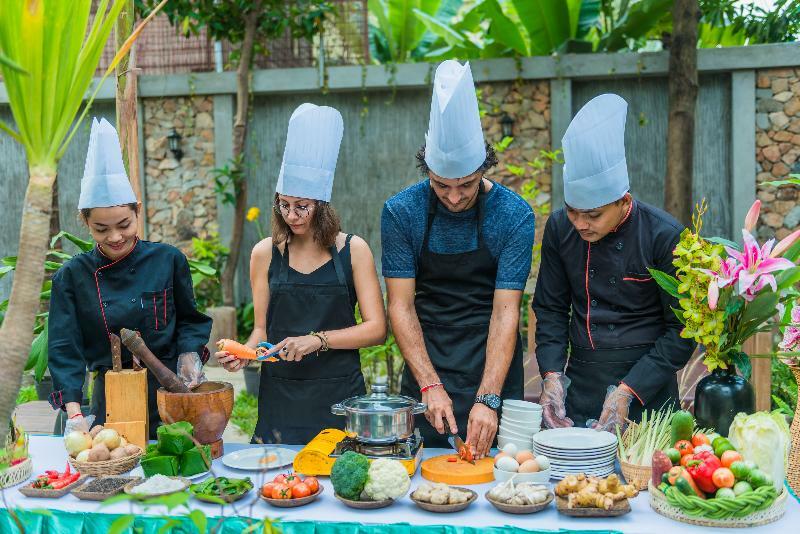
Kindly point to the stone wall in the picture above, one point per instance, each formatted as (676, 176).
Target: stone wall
(181, 201)
(778, 148)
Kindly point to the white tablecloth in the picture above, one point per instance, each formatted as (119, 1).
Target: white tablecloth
(48, 453)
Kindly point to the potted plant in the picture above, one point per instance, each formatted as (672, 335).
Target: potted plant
(727, 294)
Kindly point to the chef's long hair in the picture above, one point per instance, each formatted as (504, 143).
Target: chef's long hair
(325, 224)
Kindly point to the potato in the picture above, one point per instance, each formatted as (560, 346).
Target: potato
(118, 454)
(95, 430)
(99, 453)
(130, 449)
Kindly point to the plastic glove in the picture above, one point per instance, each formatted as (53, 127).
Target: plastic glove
(615, 410)
(80, 423)
(190, 369)
(554, 393)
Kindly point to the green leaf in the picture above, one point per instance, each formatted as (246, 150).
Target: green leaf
(793, 254)
(121, 524)
(778, 183)
(122, 497)
(760, 309)
(742, 362)
(84, 246)
(666, 281)
(502, 29)
(37, 357)
(170, 501)
(200, 521)
(439, 28)
(679, 314)
(636, 23)
(724, 242)
(170, 524)
(788, 278)
(733, 307)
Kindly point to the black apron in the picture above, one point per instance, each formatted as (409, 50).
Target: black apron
(454, 298)
(593, 370)
(295, 398)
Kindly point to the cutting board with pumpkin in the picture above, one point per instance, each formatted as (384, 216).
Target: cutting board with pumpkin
(450, 469)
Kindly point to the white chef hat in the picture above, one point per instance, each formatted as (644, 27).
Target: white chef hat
(595, 170)
(454, 144)
(105, 182)
(312, 148)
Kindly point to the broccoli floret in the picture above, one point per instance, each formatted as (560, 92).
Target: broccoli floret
(349, 474)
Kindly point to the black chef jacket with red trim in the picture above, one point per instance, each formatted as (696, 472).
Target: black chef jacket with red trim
(601, 296)
(149, 290)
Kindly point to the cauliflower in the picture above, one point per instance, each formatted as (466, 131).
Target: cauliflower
(386, 479)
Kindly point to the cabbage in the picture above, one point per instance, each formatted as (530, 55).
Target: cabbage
(763, 437)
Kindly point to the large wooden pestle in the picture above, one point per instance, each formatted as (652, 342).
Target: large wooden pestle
(165, 377)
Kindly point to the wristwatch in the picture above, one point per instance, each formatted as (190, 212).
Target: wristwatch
(491, 400)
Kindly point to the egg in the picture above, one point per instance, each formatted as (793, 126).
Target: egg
(499, 455)
(523, 456)
(510, 449)
(544, 463)
(529, 466)
(507, 463)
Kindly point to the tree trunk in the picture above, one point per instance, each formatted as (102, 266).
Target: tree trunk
(16, 333)
(682, 103)
(239, 136)
(127, 120)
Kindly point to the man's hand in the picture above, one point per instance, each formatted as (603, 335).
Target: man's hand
(481, 429)
(615, 409)
(554, 395)
(440, 409)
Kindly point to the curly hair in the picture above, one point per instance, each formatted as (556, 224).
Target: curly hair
(325, 224)
(489, 162)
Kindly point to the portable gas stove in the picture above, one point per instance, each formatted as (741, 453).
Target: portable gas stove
(318, 456)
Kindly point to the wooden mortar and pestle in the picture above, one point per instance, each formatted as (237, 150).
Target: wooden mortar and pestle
(207, 406)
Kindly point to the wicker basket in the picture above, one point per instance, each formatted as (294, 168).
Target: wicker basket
(659, 503)
(638, 475)
(16, 474)
(109, 467)
(793, 473)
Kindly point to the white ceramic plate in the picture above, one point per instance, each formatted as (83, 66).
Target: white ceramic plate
(255, 459)
(588, 464)
(588, 453)
(574, 438)
(139, 472)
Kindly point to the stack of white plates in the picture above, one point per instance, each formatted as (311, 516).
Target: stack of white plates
(577, 450)
(519, 422)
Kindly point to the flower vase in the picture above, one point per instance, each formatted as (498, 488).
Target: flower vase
(793, 471)
(719, 397)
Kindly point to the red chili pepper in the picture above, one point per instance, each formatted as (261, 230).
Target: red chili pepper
(51, 474)
(702, 468)
(67, 472)
(452, 459)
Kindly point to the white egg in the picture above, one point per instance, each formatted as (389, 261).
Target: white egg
(544, 463)
(510, 449)
(507, 463)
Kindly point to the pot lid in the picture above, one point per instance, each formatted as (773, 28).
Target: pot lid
(379, 400)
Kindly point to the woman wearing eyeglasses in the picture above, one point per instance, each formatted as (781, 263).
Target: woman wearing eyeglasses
(306, 280)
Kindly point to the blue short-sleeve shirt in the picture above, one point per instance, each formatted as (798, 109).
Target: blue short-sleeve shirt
(508, 231)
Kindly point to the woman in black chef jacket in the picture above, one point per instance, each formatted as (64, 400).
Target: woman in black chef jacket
(306, 280)
(124, 282)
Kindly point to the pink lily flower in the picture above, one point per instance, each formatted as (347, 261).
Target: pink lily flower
(713, 294)
(757, 266)
(791, 339)
(752, 216)
(784, 244)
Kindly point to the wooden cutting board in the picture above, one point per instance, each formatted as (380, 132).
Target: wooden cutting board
(459, 473)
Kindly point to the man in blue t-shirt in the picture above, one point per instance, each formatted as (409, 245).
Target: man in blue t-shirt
(456, 257)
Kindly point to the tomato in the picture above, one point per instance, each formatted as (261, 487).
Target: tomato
(266, 489)
(700, 439)
(684, 447)
(292, 480)
(312, 483)
(686, 458)
(281, 479)
(723, 478)
(281, 491)
(728, 457)
(300, 490)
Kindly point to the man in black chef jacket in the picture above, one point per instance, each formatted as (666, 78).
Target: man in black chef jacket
(607, 342)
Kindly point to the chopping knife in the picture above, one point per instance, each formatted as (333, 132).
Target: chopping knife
(458, 444)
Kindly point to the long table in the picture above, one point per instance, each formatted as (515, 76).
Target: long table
(326, 515)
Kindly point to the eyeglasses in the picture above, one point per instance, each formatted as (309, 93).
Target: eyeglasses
(301, 211)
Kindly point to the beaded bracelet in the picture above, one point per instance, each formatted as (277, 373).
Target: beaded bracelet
(430, 386)
(322, 338)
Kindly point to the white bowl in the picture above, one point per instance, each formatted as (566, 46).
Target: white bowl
(521, 405)
(522, 444)
(516, 435)
(522, 415)
(516, 420)
(518, 427)
(541, 477)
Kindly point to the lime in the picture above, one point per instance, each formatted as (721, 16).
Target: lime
(725, 493)
(740, 470)
(674, 455)
(742, 487)
(759, 478)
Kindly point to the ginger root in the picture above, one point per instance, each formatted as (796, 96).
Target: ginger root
(571, 484)
(592, 492)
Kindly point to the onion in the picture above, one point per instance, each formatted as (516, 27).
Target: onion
(83, 456)
(109, 437)
(76, 442)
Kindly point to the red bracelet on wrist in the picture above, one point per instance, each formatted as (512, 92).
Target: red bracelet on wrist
(79, 414)
(430, 386)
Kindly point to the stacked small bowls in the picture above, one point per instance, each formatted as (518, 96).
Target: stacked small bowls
(520, 421)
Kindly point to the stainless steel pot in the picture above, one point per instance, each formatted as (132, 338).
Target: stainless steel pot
(379, 417)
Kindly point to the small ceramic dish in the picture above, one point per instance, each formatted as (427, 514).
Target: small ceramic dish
(520, 508)
(447, 508)
(365, 505)
(129, 488)
(293, 503)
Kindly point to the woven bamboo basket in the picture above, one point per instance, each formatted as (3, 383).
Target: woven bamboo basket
(109, 467)
(638, 475)
(16, 474)
(659, 503)
(793, 472)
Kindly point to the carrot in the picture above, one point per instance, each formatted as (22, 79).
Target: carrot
(237, 349)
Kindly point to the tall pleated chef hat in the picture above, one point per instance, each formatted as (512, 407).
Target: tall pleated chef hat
(105, 182)
(312, 148)
(595, 169)
(454, 144)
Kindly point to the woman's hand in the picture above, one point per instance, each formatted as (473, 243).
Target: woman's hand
(292, 349)
(230, 362)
